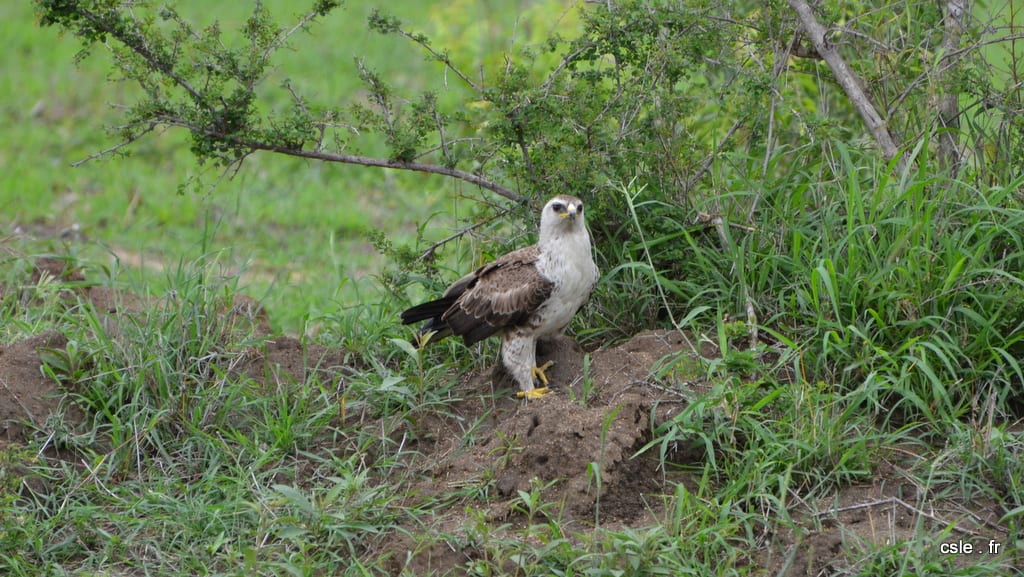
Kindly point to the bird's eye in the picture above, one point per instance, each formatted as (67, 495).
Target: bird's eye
(579, 208)
(558, 207)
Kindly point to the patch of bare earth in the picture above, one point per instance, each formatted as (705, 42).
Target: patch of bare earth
(489, 447)
(27, 397)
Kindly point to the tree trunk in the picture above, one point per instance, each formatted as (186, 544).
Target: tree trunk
(948, 104)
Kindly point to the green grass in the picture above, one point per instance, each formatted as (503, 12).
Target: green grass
(890, 327)
(293, 230)
(185, 465)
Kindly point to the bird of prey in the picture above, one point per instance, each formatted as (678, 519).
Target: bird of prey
(523, 296)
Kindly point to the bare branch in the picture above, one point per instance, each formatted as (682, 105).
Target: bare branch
(282, 38)
(546, 87)
(432, 248)
(440, 57)
(706, 165)
(848, 81)
(352, 159)
(388, 163)
(891, 501)
(117, 147)
(955, 55)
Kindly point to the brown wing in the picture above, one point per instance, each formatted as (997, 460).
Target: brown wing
(503, 294)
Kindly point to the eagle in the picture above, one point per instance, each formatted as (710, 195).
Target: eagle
(523, 296)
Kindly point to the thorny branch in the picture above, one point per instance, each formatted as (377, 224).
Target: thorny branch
(132, 137)
(440, 57)
(382, 163)
(136, 43)
(429, 252)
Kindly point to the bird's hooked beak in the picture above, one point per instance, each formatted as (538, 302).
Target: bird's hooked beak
(571, 212)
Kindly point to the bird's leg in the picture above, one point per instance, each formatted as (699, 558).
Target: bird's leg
(518, 354)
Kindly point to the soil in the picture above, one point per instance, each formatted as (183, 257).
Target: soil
(577, 446)
(28, 398)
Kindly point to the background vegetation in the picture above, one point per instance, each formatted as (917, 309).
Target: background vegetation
(734, 190)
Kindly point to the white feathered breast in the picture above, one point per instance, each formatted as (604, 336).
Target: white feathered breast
(567, 261)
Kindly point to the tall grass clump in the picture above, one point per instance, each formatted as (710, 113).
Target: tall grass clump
(195, 446)
(905, 289)
(157, 370)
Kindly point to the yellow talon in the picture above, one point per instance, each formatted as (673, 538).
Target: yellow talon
(538, 372)
(534, 394)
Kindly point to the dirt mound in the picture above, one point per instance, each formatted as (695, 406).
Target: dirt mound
(579, 449)
(577, 442)
(575, 446)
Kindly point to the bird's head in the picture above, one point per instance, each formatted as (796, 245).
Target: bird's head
(562, 214)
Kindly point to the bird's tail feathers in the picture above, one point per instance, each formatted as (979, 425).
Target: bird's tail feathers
(428, 310)
(435, 328)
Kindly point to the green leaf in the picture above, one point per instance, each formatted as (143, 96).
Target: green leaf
(296, 497)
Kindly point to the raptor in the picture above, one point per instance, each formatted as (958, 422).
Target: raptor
(525, 295)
